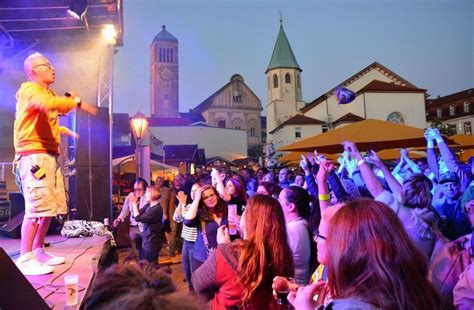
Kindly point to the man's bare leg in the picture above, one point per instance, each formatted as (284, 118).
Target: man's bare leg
(29, 228)
(41, 233)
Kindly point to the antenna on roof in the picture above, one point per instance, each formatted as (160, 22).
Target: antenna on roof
(281, 17)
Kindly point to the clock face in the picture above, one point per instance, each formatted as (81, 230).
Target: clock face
(165, 74)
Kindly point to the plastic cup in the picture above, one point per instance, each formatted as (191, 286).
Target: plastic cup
(232, 211)
(71, 283)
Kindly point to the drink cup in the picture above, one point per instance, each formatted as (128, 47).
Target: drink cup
(232, 214)
(71, 284)
(283, 286)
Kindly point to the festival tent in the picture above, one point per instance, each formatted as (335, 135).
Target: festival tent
(368, 134)
(127, 164)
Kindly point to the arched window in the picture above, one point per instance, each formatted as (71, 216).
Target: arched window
(396, 117)
(275, 81)
(298, 78)
(287, 78)
(237, 123)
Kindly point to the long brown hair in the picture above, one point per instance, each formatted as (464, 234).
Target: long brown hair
(265, 252)
(239, 188)
(371, 257)
(220, 209)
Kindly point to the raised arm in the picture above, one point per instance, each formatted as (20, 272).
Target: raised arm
(370, 179)
(192, 212)
(325, 169)
(218, 183)
(309, 178)
(395, 187)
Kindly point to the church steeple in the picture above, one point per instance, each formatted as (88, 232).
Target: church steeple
(284, 84)
(164, 75)
(283, 56)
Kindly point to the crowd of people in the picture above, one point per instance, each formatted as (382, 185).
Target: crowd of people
(362, 235)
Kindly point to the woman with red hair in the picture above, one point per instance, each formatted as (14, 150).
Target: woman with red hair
(371, 262)
(240, 273)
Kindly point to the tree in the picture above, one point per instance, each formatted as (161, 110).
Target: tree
(445, 129)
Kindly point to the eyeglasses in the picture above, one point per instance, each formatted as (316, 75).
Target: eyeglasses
(48, 65)
(318, 237)
(138, 189)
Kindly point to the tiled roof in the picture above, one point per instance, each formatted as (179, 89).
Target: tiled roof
(298, 119)
(452, 97)
(283, 56)
(348, 118)
(379, 86)
(354, 77)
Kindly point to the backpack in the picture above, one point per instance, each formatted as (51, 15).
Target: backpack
(448, 260)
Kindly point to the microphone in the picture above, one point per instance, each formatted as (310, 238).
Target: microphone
(67, 94)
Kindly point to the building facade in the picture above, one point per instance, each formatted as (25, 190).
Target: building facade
(234, 106)
(164, 78)
(380, 94)
(454, 109)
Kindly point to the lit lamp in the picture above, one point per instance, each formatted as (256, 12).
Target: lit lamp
(139, 126)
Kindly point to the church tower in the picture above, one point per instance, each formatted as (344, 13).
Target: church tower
(284, 84)
(164, 83)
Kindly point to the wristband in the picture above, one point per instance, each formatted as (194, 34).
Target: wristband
(361, 162)
(430, 144)
(324, 197)
(439, 140)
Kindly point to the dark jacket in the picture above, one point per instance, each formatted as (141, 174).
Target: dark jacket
(152, 218)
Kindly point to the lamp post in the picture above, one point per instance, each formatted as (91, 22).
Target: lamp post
(139, 126)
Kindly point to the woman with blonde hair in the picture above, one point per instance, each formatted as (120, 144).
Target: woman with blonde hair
(371, 261)
(240, 274)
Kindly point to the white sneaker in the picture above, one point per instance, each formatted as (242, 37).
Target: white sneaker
(47, 258)
(30, 266)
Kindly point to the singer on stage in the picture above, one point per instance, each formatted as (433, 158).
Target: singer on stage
(37, 139)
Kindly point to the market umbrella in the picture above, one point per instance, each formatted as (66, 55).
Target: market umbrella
(127, 164)
(295, 157)
(394, 154)
(368, 134)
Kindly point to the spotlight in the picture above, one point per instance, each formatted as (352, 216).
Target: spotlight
(77, 9)
(109, 34)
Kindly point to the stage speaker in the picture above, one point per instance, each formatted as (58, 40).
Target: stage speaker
(92, 147)
(17, 203)
(89, 188)
(12, 228)
(15, 290)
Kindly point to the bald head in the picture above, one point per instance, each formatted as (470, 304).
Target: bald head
(39, 70)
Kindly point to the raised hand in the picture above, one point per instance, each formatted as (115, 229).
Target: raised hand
(304, 164)
(325, 168)
(89, 108)
(373, 158)
(131, 196)
(198, 194)
(182, 197)
(352, 149)
(223, 235)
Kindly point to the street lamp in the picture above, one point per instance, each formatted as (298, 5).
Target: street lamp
(139, 126)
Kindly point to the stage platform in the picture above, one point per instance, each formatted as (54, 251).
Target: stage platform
(82, 258)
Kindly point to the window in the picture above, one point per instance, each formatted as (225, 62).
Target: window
(396, 117)
(452, 110)
(236, 97)
(467, 106)
(467, 128)
(221, 123)
(252, 131)
(275, 81)
(298, 81)
(161, 54)
(287, 78)
(297, 132)
(439, 113)
(237, 123)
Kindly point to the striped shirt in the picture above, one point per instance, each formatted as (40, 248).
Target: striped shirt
(188, 233)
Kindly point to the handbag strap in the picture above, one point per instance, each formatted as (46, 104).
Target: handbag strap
(204, 234)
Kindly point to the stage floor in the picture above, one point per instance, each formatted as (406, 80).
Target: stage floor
(81, 255)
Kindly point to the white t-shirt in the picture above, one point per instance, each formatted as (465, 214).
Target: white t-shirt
(300, 245)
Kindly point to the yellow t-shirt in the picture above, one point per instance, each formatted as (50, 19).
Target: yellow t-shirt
(36, 128)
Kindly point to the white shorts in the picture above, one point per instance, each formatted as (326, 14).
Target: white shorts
(43, 197)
